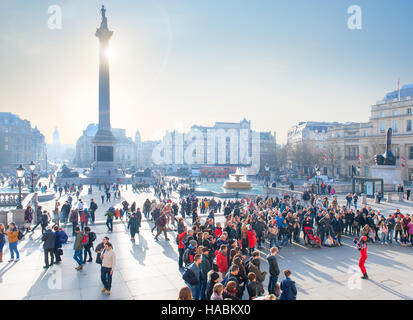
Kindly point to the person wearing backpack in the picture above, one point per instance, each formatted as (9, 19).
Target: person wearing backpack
(191, 276)
(90, 236)
(45, 221)
(78, 247)
(190, 252)
(49, 242)
(13, 237)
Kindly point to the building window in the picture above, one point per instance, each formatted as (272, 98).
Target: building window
(6, 147)
(382, 125)
(383, 114)
(395, 113)
(411, 153)
(409, 111)
(395, 126)
(409, 125)
(352, 152)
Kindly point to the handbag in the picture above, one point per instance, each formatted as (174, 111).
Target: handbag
(60, 252)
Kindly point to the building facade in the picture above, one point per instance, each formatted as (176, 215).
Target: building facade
(125, 154)
(226, 144)
(19, 142)
(344, 145)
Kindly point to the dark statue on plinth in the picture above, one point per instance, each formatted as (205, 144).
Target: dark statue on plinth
(387, 158)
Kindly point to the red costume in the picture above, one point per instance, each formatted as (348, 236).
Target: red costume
(362, 246)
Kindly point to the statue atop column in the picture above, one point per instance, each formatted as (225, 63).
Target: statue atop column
(387, 158)
(104, 23)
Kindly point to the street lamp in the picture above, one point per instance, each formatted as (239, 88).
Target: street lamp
(318, 173)
(20, 174)
(32, 166)
(267, 178)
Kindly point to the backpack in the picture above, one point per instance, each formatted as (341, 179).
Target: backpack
(185, 257)
(20, 235)
(189, 276)
(92, 236)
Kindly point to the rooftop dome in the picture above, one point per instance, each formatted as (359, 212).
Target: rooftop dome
(405, 91)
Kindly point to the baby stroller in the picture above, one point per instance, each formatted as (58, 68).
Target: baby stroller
(310, 238)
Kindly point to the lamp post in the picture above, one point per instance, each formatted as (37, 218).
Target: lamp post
(32, 166)
(267, 178)
(20, 174)
(317, 172)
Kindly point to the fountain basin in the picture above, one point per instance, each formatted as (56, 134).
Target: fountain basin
(237, 184)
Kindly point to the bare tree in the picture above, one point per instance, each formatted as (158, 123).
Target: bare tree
(305, 156)
(332, 156)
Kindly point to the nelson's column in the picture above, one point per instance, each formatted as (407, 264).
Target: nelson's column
(104, 168)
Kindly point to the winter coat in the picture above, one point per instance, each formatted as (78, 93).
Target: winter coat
(255, 269)
(204, 267)
(133, 224)
(49, 238)
(222, 261)
(61, 238)
(255, 289)
(273, 265)
(78, 241)
(289, 290)
(13, 235)
(252, 239)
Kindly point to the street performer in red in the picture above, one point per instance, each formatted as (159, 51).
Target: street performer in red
(362, 247)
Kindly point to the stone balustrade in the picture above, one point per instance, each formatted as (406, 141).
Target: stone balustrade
(10, 199)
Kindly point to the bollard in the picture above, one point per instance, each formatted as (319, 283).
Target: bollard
(389, 200)
(364, 199)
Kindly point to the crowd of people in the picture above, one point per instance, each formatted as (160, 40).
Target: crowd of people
(217, 260)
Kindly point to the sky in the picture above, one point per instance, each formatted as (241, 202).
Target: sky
(176, 63)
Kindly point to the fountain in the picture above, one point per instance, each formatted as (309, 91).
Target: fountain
(237, 180)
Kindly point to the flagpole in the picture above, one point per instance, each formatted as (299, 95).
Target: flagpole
(398, 87)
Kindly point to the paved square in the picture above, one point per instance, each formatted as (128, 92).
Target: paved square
(148, 269)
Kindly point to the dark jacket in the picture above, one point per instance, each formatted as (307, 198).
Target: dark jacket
(162, 220)
(255, 269)
(209, 289)
(61, 238)
(49, 238)
(204, 267)
(273, 264)
(289, 290)
(93, 206)
(255, 289)
(134, 223)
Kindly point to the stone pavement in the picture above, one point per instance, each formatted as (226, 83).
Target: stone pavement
(148, 269)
